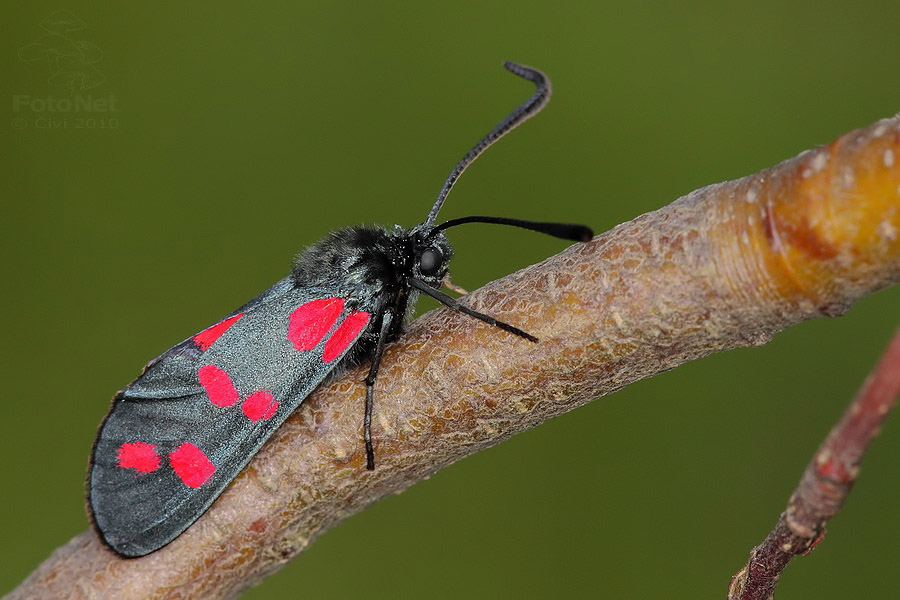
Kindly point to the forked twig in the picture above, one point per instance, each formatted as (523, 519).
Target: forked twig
(825, 484)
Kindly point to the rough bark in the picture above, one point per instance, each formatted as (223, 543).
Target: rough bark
(723, 267)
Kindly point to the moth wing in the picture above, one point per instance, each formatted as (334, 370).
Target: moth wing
(181, 432)
(192, 348)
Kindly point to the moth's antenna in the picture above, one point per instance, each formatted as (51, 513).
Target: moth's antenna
(527, 109)
(566, 231)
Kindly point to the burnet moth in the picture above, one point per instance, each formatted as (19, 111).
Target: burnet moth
(183, 430)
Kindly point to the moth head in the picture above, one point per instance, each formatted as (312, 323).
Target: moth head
(431, 258)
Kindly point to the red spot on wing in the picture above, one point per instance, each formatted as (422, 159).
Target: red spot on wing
(345, 335)
(259, 406)
(191, 465)
(138, 456)
(310, 322)
(218, 386)
(208, 337)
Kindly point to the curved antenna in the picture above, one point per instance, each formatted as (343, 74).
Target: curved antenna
(565, 231)
(524, 111)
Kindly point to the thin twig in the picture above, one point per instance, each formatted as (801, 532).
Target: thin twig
(726, 266)
(825, 484)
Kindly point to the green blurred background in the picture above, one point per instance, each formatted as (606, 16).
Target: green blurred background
(244, 133)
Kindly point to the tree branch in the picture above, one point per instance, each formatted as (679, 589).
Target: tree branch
(825, 484)
(723, 267)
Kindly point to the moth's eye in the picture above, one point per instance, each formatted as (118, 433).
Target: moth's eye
(430, 261)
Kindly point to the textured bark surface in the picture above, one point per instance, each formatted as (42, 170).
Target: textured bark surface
(723, 267)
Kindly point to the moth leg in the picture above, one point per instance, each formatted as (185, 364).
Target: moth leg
(452, 286)
(455, 305)
(386, 319)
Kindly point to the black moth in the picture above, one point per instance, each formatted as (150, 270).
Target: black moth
(183, 430)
